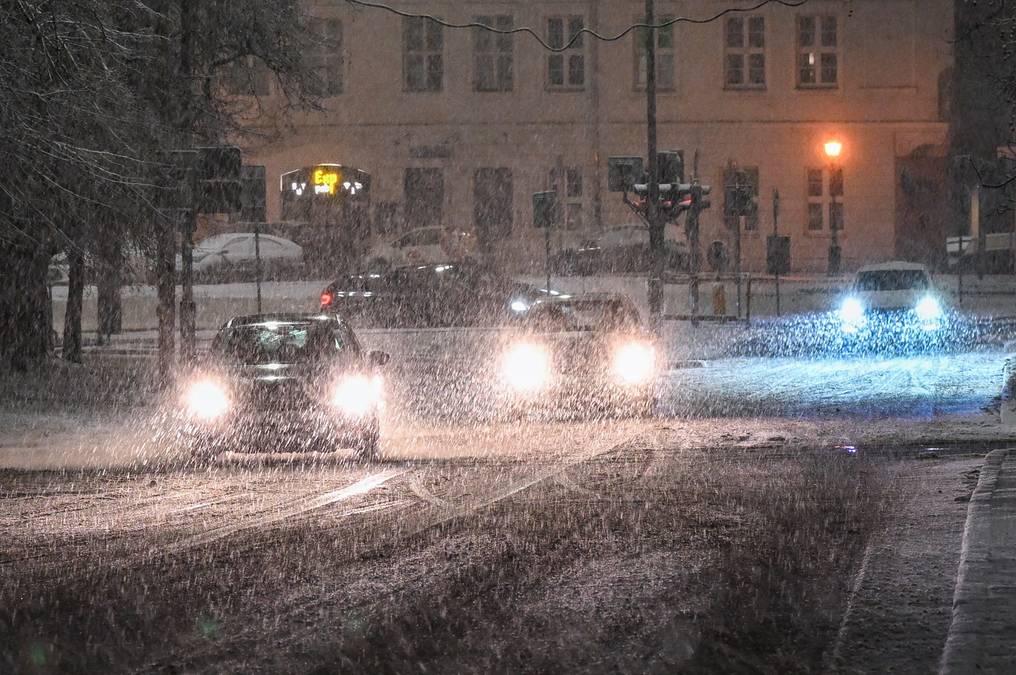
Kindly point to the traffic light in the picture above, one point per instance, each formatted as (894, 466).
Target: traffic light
(670, 166)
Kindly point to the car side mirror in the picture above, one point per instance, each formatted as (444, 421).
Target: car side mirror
(378, 359)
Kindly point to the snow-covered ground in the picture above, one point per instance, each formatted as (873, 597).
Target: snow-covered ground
(991, 296)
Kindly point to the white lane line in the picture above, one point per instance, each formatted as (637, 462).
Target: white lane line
(360, 487)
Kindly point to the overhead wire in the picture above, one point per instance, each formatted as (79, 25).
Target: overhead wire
(577, 36)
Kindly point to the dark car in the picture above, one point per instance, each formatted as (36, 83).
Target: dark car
(286, 382)
(461, 294)
(617, 250)
(583, 350)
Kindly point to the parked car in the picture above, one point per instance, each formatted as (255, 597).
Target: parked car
(136, 268)
(423, 246)
(892, 301)
(461, 294)
(283, 381)
(618, 250)
(231, 256)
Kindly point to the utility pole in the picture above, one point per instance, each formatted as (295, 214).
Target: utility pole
(656, 233)
(187, 308)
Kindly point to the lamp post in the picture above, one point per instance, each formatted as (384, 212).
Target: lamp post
(833, 148)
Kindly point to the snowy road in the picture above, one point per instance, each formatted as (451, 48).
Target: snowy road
(439, 413)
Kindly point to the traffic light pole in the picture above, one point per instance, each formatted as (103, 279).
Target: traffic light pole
(656, 234)
(693, 245)
(186, 73)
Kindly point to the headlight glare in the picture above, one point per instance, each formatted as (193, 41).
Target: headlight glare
(634, 363)
(206, 399)
(526, 367)
(357, 395)
(928, 309)
(852, 312)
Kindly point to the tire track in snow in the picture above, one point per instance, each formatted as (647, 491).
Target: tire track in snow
(276, 515)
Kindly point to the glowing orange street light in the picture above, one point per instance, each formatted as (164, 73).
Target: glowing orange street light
(833, 149)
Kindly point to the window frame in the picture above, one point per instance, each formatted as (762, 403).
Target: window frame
(817, 50)
(251, 72)
(572, 200)
(662, 53)
(331, 60)
(576, 51)
(426, 53)
(501, 49)
(745, 51)
(831, 178)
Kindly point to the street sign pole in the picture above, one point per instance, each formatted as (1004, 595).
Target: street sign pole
(187, 308)
(257, 261)
(776, 233)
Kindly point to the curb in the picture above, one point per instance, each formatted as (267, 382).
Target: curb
(963, 644)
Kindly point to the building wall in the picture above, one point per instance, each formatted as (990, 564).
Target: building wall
(891, 54)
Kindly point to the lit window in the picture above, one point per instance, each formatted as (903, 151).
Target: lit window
(817, 57)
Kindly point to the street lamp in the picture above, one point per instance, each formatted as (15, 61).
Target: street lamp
(833, 148)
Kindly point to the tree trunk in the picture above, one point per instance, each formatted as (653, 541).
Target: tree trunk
(75, 296)
(109, 303)
(25, 322)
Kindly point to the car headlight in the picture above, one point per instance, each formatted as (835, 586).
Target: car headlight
(852, 315)
(358, 395)
(206, 399)
(634, 363)
(518, 306)
(526, 367)
(928, 309)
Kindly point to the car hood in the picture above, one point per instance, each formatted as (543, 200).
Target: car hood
(904, 299)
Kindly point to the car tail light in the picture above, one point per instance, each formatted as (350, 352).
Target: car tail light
(326, 299)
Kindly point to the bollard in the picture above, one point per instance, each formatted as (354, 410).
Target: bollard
(719, 299)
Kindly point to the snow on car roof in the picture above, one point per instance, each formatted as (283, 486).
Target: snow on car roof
(893, 265)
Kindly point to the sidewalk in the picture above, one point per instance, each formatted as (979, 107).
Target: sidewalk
(982, 636)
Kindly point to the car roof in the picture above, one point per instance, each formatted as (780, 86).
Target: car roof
(586, 297)
(893, 265)
(282, 317)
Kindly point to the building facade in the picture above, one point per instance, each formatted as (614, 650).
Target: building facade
(460, 126)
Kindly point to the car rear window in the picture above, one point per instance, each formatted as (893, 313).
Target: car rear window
(283, 342)
(891, 280)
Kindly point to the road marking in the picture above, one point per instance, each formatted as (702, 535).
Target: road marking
(303, 505)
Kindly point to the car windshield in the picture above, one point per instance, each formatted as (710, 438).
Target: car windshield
(891, 280)
(581, 315)
(282, 342)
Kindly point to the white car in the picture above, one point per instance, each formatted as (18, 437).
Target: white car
(892, 298)
(233, 253)
(423, 246)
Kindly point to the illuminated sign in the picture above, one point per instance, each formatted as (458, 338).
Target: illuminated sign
(325, 180)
